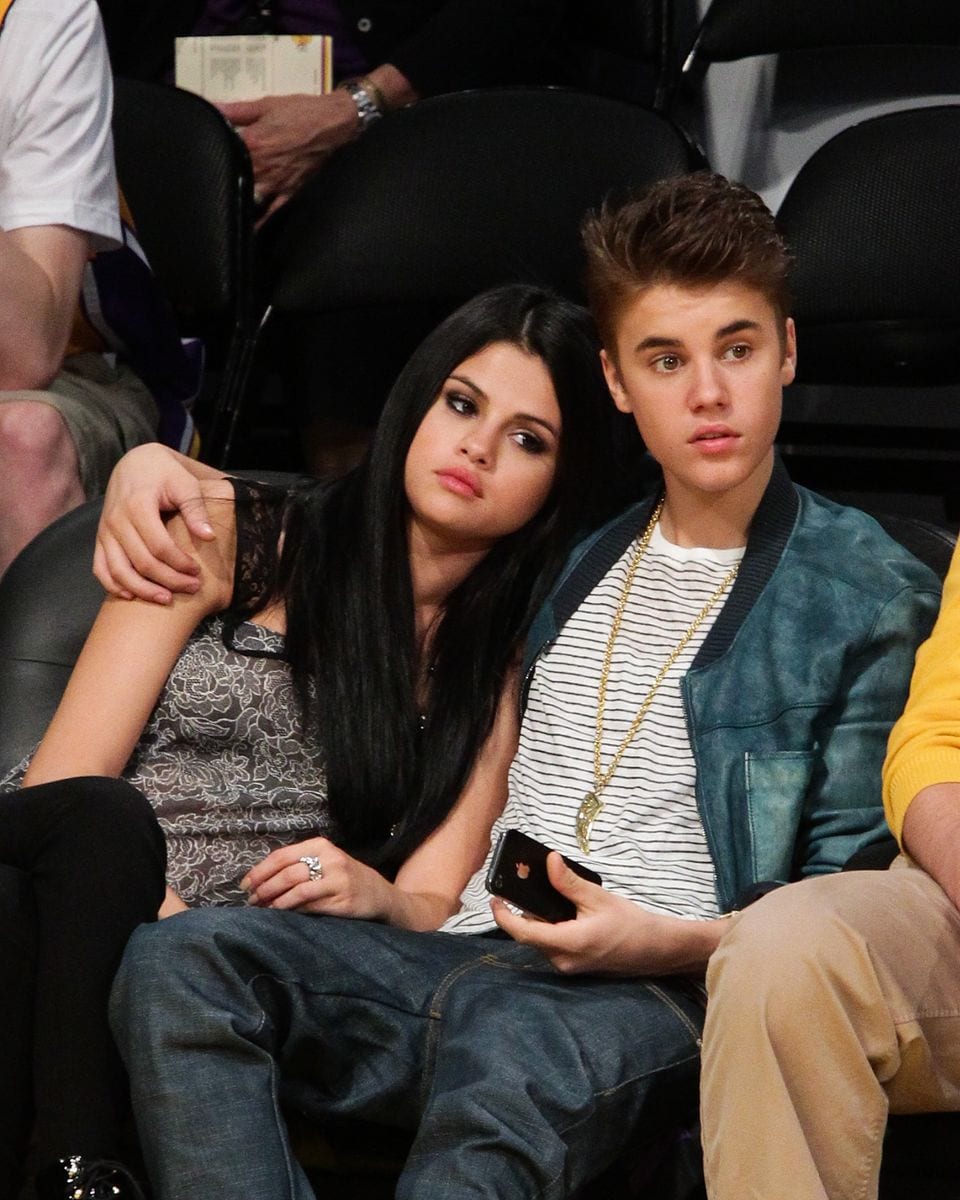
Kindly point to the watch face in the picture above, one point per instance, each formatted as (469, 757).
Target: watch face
(367, 109)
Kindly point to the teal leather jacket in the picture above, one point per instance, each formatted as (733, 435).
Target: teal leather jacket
(791, 697)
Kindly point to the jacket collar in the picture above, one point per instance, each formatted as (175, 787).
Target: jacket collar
(769, 531)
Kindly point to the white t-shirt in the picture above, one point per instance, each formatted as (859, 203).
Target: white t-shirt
(648, 841)
(56, 148)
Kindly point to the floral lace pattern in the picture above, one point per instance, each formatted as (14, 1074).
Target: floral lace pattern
(223, 762)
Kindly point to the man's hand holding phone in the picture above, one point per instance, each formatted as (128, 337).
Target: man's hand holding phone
(518, 873)
(610, 934)
(569, 944)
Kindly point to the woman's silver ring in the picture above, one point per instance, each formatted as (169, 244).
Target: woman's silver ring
(313, 865)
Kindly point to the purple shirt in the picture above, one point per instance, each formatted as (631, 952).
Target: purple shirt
(292, 16)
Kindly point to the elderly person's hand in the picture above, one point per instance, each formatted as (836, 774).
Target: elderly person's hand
(290, 137)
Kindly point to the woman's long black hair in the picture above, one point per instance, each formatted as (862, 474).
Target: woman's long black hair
(394, 765)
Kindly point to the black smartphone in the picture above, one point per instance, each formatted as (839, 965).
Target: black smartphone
(518, 873)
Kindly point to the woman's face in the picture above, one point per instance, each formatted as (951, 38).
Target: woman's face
(484, 458)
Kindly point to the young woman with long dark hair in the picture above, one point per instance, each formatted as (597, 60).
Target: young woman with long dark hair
(330, 713)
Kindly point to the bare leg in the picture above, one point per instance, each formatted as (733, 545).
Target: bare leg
(39, 473)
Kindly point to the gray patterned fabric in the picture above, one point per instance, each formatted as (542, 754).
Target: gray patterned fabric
(223, 762)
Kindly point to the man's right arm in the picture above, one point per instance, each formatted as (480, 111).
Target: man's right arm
(41, 267)
(58, 189)
(921, 776)
(135, 554)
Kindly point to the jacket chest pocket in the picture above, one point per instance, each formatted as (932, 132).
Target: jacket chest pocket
(776, 786)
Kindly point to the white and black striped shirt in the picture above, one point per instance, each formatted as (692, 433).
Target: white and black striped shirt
(648, 841)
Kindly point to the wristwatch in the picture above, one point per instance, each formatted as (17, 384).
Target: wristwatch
(368, 108)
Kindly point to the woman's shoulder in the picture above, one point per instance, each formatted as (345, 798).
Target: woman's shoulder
(261, 510)
(266, 511)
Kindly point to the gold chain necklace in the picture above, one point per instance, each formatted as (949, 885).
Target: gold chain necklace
(592, 805)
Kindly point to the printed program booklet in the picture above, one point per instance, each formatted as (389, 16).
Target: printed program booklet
(253, 65)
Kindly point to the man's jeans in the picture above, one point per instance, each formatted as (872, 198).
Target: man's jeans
(520, 1082)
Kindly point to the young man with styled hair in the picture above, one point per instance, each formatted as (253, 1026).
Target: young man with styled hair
(706, 697)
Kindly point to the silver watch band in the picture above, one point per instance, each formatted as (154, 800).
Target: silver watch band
(368, 110)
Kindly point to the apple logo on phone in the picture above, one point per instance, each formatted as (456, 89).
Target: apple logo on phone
(523, 871)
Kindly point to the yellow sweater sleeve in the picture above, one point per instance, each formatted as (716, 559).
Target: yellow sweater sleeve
(924, 746)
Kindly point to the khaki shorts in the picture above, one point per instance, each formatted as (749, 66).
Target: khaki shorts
(107, 410)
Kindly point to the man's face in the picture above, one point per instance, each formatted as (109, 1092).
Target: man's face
(702, 371)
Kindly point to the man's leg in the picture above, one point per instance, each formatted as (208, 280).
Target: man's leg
(212, 1006)
(57, 447)
(39, 473)
(538, 1081)
(831, 1001)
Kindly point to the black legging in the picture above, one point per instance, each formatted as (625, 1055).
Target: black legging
(84, 864)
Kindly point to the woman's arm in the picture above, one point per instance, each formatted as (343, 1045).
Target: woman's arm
(428, 885)
(172, 904)
(126, 660)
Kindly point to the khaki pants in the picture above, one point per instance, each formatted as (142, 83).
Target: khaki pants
(832, 1002)
(107, 410)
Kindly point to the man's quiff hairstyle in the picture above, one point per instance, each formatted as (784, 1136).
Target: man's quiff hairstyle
(693, 231)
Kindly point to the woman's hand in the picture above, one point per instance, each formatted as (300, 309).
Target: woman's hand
(135, 554)
(346, 887)
(611, 935)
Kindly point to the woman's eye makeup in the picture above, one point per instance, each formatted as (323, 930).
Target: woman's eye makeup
(460, 402)
(532, 443)
(467, 405)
